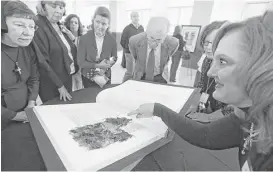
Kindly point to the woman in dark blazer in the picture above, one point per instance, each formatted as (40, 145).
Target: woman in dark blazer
(97, 46)
(58, 50)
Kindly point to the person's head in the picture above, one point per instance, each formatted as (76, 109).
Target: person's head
(177, 30)
(73, 23)
(207, 36)
(243, 70)
(53, 10)
(101, 21)
(135, 17)
(157, 30)
(17, 23)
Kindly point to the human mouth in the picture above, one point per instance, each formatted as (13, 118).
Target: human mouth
(25, 39)
(218, 84)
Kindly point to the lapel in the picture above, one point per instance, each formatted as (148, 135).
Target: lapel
(142, 48)
(93, 44)
(105, 45)
(54, 32)
(163, 54)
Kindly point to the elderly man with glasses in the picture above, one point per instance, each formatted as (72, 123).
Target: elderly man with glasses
(151, 51)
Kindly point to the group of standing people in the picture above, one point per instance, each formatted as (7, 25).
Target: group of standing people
(41, 56)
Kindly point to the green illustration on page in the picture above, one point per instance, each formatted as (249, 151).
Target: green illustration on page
(102, 134)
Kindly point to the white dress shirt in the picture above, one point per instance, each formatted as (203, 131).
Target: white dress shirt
(99, 42)
(72, 66)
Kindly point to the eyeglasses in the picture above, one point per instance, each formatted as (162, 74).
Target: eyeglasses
(206, 43)
(207, 47)
(151, 39)
(23, 27)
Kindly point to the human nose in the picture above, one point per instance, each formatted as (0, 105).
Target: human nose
(28, 31)
(213, 70)
(99, 25)
(58, 9)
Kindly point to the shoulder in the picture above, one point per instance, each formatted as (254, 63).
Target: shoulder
(86, 37)
(136, 38)
(171, 41)
(128, 26)
(111, 37)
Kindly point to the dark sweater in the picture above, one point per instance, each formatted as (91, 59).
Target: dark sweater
(221, 134)
(127, 32)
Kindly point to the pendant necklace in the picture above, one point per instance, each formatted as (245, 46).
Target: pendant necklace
(209, 84)
(17, 70)
(249, 139)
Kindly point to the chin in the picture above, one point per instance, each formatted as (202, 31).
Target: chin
(217, 95)
(24, 44)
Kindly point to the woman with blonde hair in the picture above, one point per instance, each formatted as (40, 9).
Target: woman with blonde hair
(243, 70)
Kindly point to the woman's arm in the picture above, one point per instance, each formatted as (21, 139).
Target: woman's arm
(6, 116)
(221, 134)
(41, 48)
(82, 54)
(114, 52)
(33, 80)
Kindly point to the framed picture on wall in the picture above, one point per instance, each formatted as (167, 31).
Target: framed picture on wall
(190, 34)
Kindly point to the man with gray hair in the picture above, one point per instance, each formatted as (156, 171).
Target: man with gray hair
(130, 30)
(151, 51)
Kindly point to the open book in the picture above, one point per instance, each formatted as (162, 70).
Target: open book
(116, 102)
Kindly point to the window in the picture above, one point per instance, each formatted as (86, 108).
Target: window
(254, 9)
(180, 3)
(137, 5)
(144, 16)
(86, 11)
(179, 16)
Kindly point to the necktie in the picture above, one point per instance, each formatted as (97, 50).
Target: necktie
(150, 66)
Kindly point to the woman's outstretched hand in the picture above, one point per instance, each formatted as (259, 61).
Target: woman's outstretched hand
(143, 111)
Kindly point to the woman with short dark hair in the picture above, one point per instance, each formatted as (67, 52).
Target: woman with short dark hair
(207, 84)
(19, 87)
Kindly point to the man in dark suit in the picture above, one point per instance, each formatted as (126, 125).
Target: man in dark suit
(130, 30)
(151, 51)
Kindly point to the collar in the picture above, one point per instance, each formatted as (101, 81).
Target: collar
(245, 109)
(159, 45)
(136, 26)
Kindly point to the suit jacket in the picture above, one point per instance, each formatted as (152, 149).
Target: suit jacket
(87, 51)
(55, 53)
(138, 47)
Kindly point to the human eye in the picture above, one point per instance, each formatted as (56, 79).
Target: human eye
(223, 61)
(19, 25)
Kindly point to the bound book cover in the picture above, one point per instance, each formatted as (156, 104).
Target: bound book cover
(95, 136)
